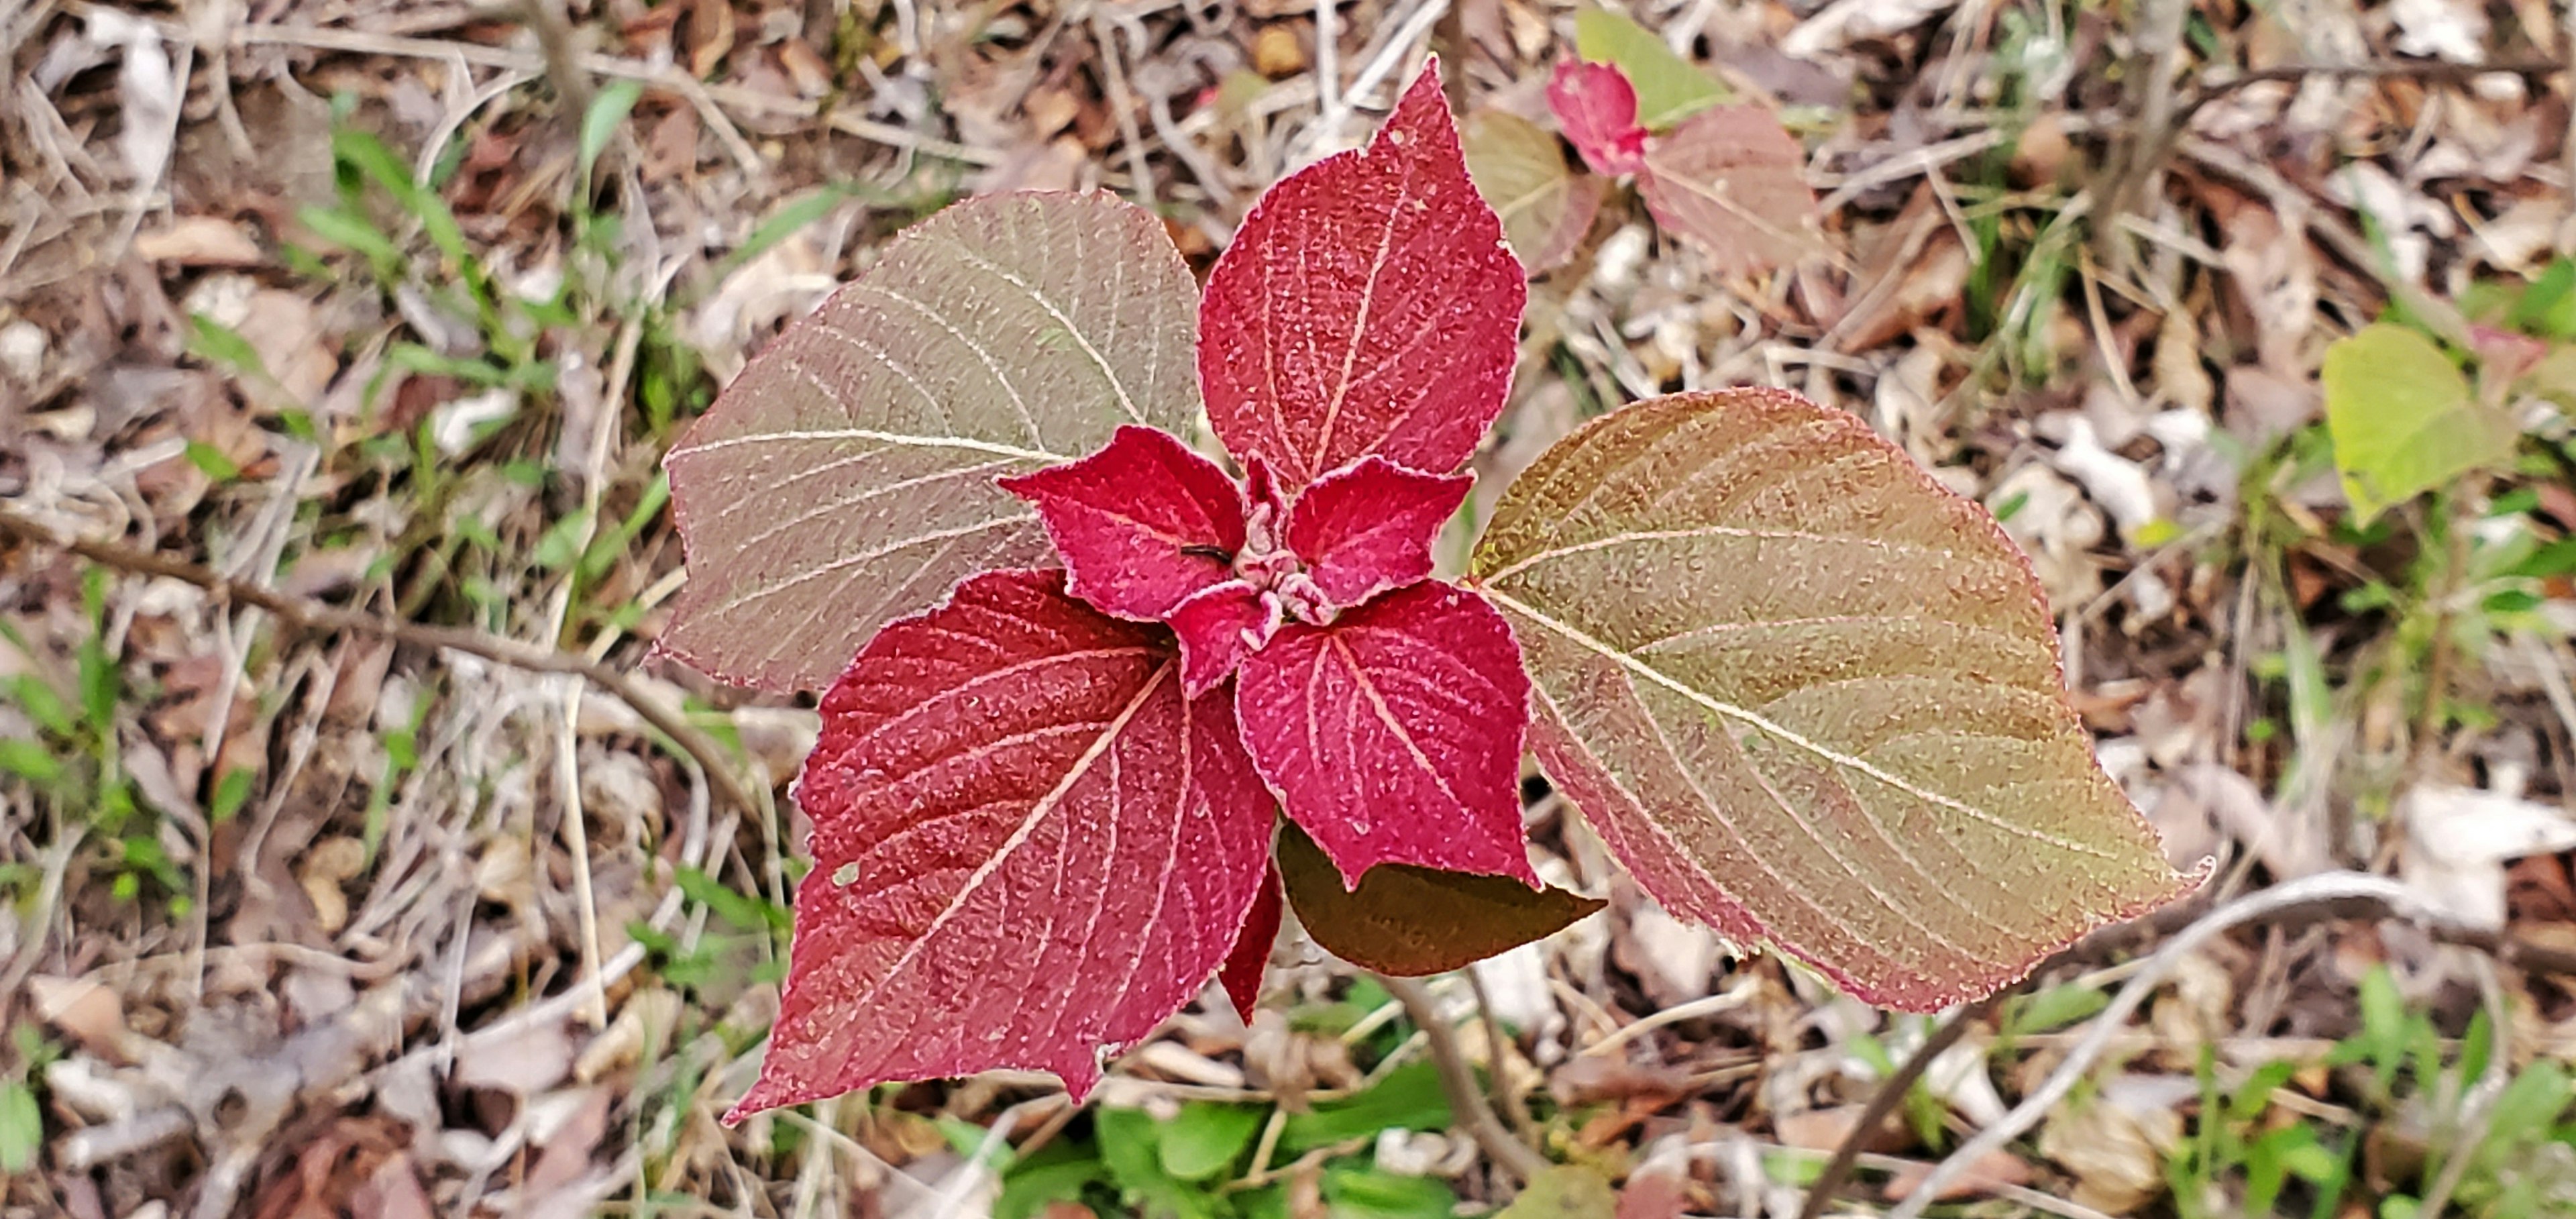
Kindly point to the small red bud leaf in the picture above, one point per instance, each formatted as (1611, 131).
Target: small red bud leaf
(1597, 107)
(1808, 695)
(1249, 962)
(846, 477)
(1520, 169)
(1735, 181)
(1368, 305)
(1368, 528)
(1411, 921)
(1028, 848)
(1218, 628)
(1394, 735)
(1141, 524)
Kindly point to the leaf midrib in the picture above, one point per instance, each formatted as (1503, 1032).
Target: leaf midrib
(1781, 732)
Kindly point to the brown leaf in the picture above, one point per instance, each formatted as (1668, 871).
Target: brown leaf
(1412, 921)
(200, 241)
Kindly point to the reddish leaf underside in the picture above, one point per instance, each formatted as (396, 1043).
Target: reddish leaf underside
(1367, 305)
(1734, 180)
(1141, 524)
(1369, 528)
(1410, 921)
(1808, 695)
(1597, 107)
(1394, 735)
(1249, 962)
(1028, 848)
(1218, 628)
(846, 477)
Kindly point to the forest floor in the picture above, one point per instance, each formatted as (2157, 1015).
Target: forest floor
(352, 865)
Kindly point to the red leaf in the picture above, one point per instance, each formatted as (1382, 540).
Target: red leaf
(1597, 107)
(1735, 181)
(1218, 628)
(1367, 305)
(1141, 524)
(1028, 848)
(1368, 528)
(1394, 735)
(1250, 961)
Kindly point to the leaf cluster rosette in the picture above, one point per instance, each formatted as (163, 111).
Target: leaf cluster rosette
(1160, 699)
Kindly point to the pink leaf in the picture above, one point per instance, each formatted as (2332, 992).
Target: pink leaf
(1218, 628)
(1249, 963)
(1598, 109)
(1734, 180)
(1028, 848)
(845, 479)
(1141, 524)
(1367, 305)
(1368, 528)
(1394, 735)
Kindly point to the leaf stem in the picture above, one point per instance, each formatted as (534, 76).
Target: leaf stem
(1466, 1096)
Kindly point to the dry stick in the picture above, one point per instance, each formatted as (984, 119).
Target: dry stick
(1838, 1170)
(1474, 1111)
(2326, 890)
(305, 613)
(1497, 1051)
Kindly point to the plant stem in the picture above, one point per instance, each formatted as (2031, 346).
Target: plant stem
(1475, 1112)
(1883, 1102)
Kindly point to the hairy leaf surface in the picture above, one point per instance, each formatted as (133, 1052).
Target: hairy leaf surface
(1141, 524)
(1394, 735)
(846, 477)
(1808, 695)
(1598, 109)
(1028, 848)
(1733, 180)
(1369, 528)
(1249, 961)
(1519, 167)
(2404, 419)
(1411, 921)
(1218, 628)
(1368, 305)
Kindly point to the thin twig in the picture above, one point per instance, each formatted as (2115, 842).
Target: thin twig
(305, 613)
(2326, 891)
(1498, 1052)
(1475, 1112)
(1882, 1103)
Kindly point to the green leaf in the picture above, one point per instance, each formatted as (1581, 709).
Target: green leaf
(29, 760)
(1810, 696)
(1669, 87)
(351, 233)
(846, 477)
(1519, 167)
(211, 461)
(42, 704)
(1060, 1172)
(1412, 921)
(1565, 1191)
(232, 791)
(221, 345)
(1359, 1191)
(1409, 1098)
(1207, 1138)
(22, 1128)
(608, 110)
(1130, 1145)
(2404, 420)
